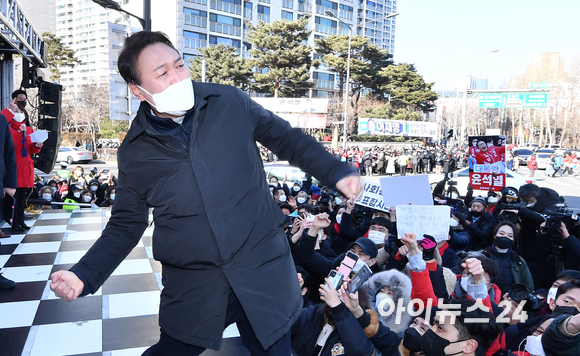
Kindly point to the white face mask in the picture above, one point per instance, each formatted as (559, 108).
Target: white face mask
(301, 200)
(531, 204)
(338, 218)
(453, 222)
(337, 201)
(453, 196)
(464, 283)
(77, 194)
(382, 303)
(46, 196)
(296, 188)
(282, 198)
(176, 99)
(552, 294)
(534, 345)
(112, 196)
(94, 188)
(377, 237)
(87, 198)
(53, 189)
(19, 117)
(492, 200)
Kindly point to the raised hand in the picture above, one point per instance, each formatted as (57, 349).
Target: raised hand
(66, 285)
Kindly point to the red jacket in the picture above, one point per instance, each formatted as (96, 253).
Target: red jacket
(532, 164)
(24, 165)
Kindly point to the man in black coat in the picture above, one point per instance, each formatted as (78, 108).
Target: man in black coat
(479, 225)
(7, 179)
(191, 155)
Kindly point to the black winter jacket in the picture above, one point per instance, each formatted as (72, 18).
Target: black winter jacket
(216, 224)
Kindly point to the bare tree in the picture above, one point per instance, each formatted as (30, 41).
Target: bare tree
(85, 109)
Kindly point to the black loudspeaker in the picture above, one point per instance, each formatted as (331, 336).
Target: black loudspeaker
(50, 92)
(46, 158)
(43, 164)
(48, 124)
(52, 110)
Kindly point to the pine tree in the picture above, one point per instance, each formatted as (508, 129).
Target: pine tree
(223, 66)
(58, 55)
(283, 59)
(407, 89)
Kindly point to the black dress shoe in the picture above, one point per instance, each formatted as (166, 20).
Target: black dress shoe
(25, 227)
(17, 228)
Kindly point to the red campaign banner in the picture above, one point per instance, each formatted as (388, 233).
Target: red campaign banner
(487, 181)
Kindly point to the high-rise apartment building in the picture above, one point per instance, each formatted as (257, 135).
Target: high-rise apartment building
(194, 24)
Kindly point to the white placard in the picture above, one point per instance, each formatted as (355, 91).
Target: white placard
(38, 136)
(423, 219)
(407, 189)
(373, 196)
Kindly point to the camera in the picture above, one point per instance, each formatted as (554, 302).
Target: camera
(519, 292)
(451, 182)
(325, 197)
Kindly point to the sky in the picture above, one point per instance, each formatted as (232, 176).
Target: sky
(446, 39)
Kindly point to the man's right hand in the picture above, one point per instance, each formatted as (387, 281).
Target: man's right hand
(9, 191)
(350, 206)
(66, 285)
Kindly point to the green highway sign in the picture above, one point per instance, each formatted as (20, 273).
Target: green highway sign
(540, 85)
(536, 100)
(490, 100)
(513, 100)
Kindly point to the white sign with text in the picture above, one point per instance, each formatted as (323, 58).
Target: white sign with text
(423, 219)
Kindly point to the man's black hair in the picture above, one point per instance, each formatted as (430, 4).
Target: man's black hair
(568, 275)
(383, 222)
(18, 92)
(309, 208)
(287, 206)
(530, 190)
(484, 333)
(565, 287)
(134, 45)
(305, 276)
(276, 191)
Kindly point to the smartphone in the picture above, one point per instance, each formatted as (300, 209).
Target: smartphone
(310, 218)
(334, 278)
(348, 263)
(359, 278)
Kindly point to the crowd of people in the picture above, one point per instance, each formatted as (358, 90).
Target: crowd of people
(499, 252)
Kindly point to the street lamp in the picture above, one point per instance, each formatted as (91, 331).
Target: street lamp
(464, 108)
(345, 115)
(145, 21)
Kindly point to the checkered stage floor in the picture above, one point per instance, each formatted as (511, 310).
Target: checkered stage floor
(120, 319)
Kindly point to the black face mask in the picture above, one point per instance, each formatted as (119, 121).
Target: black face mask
(503, 242)
(565, 310)
(476, 213)
(23, 103)
(412, 340)
(434, 345)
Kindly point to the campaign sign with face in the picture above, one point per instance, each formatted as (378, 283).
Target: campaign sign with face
(487, 168)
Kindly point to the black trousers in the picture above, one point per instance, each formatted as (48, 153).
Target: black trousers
(168, 346)
(20, 200)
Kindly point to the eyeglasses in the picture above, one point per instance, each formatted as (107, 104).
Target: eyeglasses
(537, 330)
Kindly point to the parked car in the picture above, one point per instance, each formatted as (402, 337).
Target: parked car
(285, 173)
(552, 146)
(545, 150)
(74, 154)
(461, 176)
(523, 154)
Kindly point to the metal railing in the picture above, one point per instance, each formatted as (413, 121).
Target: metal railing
(327, 30)
(201, 2)
(343, 14)
(225, 7)
(323, 84)
(264, 1)
(343, 31)
(321, 10)
(248, 13)
(288, 4)
(304, 7)
(196, 21)
(225, 29)
(194, 43)
(264, 17)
